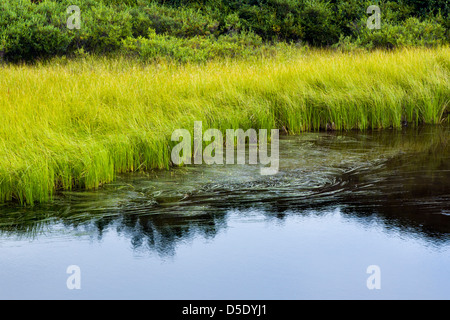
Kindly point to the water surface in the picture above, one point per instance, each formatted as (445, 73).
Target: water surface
(340, 203)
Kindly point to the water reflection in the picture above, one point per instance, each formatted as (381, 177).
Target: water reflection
(399, 178)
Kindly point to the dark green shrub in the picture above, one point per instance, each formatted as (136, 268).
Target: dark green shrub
(29, 31)
(423, 8)
(272, 19)
(103, 28)
(348, 15)
(181, 22)
(317, 22)
(411, 32)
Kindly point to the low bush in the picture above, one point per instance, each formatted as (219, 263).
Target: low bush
(182, 22)
(195, 49)
(103, 29)
(317, 23)
(412, 32)
(28, 31)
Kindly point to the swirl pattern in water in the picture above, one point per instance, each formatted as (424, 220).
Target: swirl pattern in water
(394, 181)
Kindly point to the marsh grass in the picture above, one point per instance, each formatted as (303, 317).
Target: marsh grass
(69, 124)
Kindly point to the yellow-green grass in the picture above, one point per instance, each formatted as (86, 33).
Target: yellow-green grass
(77, 123)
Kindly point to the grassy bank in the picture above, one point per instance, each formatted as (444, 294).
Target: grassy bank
(75, 124)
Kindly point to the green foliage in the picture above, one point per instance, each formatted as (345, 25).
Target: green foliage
(317, 22)
(412, 32)
(271, 19)
(425, 7)
(104, 28)
(182, 22)
(194, 49)
(347, 15)
(28, 31)
(199, 30)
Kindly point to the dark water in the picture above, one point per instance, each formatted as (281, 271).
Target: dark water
(341, 202)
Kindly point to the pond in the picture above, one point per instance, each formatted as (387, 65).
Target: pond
(350, 215)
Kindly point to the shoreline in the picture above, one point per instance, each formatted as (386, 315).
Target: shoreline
(75, 124)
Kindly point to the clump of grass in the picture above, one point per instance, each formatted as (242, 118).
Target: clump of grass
(77, 123)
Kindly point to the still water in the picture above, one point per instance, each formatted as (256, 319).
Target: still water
(341, 202)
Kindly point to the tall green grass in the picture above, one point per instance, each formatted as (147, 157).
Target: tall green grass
(77, 123)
